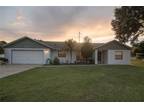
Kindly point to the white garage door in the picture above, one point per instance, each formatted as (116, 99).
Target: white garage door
(27, 57)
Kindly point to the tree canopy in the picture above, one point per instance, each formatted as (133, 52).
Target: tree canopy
(87, 48)
(139, 47)
(70, 46)
(128, 23)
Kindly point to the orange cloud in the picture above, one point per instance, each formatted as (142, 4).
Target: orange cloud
(99, 29)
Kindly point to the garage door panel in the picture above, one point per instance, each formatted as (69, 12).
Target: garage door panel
(27, 57)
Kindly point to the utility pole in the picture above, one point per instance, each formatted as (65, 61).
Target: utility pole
(79, 43)
(79, 37)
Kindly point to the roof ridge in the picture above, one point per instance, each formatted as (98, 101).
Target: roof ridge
(26, 37)
(64, 42)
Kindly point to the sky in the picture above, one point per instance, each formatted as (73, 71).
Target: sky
(53, 23)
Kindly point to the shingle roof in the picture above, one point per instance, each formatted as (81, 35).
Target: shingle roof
(54, 45)
(25, 37)
(96, 45)
(60, 45)
(109, 45)
(114, 45)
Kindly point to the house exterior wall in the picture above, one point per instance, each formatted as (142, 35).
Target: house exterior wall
(125, 60)
(96, 56)
(7, 52)
(63, 60)
(47, 56)
(46, 52)
(51, 54)
(105, 57)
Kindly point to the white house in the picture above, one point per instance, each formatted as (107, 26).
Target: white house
(29, 51)
(112, 52)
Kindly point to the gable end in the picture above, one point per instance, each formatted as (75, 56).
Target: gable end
(25, 42)
(114, 45)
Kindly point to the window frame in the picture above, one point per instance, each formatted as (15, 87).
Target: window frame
(61, 53)
(119, 56)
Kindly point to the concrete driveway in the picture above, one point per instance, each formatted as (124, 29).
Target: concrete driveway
(6, 70)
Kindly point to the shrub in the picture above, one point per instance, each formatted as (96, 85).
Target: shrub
(48, 61)
(56, 61)
(3, 60)
(51, 62)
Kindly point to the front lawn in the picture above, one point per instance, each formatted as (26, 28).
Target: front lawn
(76, 83)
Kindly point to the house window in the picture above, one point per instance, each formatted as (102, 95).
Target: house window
(118, 55)
(61, 53)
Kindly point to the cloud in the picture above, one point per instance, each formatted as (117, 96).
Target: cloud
(20, 22)
(7, 35)
(53, 18)
(57, 23)
(68, 21)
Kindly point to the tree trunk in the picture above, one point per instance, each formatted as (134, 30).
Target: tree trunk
(70, 57)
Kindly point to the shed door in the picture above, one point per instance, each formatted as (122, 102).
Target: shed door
(27, 57)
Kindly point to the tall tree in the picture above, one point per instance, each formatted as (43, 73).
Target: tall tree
(128, 23)
(87, 48)
(70, 46)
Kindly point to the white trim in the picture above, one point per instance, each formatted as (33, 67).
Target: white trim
(96, 56)
(46, 51)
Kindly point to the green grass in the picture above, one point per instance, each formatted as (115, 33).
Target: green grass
(138, 62)
(76, 83)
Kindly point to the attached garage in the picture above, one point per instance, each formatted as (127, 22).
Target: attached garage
(27, 51)
(27, 57)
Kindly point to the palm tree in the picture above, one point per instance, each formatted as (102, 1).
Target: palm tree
(70, 46)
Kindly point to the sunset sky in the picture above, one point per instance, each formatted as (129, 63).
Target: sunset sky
(56, 23)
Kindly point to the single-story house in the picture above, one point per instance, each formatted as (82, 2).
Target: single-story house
(30, 51)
